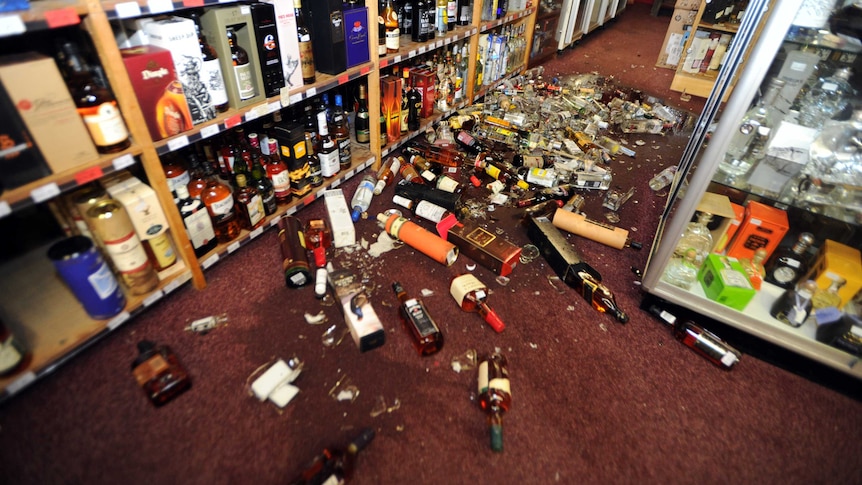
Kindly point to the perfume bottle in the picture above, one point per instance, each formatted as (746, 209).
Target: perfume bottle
(471, 295)
(427, 337)
(159, 372)
(705, 343)
(495, 394)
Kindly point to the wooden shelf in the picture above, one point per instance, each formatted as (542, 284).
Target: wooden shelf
(42, 15)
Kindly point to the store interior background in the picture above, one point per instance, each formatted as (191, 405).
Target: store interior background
(594, 401)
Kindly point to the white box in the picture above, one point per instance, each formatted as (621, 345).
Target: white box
(288, 42)
(343, 232)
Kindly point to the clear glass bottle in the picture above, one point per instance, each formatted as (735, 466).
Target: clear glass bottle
(690, 253)
(159, 373)
(836, 153)
(826, 100)
(362, 197)
(362, 121)
(426, 335)
(829, 297)
(471, 295)
(495, 394)
(749, 142)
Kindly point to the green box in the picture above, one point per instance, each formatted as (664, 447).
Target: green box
(723, 280)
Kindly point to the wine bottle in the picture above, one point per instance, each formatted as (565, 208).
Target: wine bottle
(471, 295)
(425, 333)
(334, 465)
(495, 394)
(705, 343)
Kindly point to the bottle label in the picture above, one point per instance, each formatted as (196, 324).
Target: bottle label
(465, 285)
(222, 208)
(103, 282)
(329, 163)
(255, 210)
(212, 77)
(429, 211)
(106, 125)
(127, 253)
(162, 249)
(281, 183)
(393, 37)
(344, 156)
(306, 58)
(150, 369)
(199, 227)
(447, 183)
(244, 81)
(183, 179)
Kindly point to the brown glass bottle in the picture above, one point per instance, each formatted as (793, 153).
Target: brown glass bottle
(470, 294)
(294, 257)
(242, 68)
(361, 124)
(220, 203)
(95, 103)
(495, 394)
(341, 133)
(252, 213)
(159, 373)
(306, 53)
(334, 465)
(426, 335)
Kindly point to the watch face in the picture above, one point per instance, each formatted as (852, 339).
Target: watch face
(784, 274)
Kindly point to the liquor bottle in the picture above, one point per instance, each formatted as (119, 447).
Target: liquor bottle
(408, 172)
(94, 102)
(663, 178)
(829, 297)
(361, 123)
(469, 142)
(14, 356)
(341, 133)
(242, 68)
(754, 268)
(175, 173)
(749, 142)
(390, 23)
(386, 174)
(794, 305)
(451, 14)
(220, 203)
(211, 74)
(318, 238)
(362, 197)
(306, 53)
(829, 99)
(381, 28)
(702, 341)
(426, 335)
(465, 12)
(558, 192)
(690, 253)
(159, 373)
(197, 221)
(172, 114)
(111, 224)
(294, 257)
(315, 175)
(250, 204)
(426, 210)
(334, 465)
(277, 172)
(471, 295)
(414, 106)
(442, 23)
(788, 265)
(405, 106)
(263, 185)
(328, 151)
(494, 394)
(405, 17)
(420, 21)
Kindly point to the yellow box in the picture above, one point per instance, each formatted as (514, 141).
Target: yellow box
(835, 258)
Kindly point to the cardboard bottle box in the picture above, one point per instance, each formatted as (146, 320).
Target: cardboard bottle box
(268, 47)
(356, 36)
(836, 259)
(326, 20)
(763, 227)
(724, 280)
(288, 43)
(20, 160)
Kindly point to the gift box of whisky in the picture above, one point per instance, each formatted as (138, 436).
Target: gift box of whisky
(836, 260)
(160, 94)
(558, 253)
(326, 20)
(424, 81)
(288, 42)
(268, 47)
(356, 36)
(214, 25)
(178, 35)
(20, 160)
(359, 315)
(36, 89)
(763, 227)
(484, 247)
(724, 280)
(390, 102)
(291, 142)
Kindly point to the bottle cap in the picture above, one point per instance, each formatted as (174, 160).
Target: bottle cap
(497, 437)
(356, 214)
(365, 437)
(494, 321)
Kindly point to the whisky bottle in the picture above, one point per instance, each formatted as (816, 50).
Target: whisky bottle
(306, 52)
(315, 175)
(334, 465)
(471, 295)
(390, 21)
(702, 341)
(277, 172)
(95, 103)
(211, 74)
(242, 68)
(259, 179)
(361, 123)
(111, 224)
(787, 265)
(252, 213)
(386, 174)
(317, 238)
(420, 21)
(495, 394)
(341, 133)
(220, 203)
(794, 305)
(328, 152)
(600, 296)
(197, 221)
(175, 173)
(425, 333)
(414, 107)
(159, 373)
(294, 257)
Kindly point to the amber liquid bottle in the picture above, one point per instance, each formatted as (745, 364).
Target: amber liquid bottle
(495, 394)
(341, 133)
(277, 172)
(426, 335)
(252, 213)
(471, 295)
(95, 103)
(390, 22)
(196, 219)
(703, 342)
(159, 373)
(172, 117)
(334, 465)
(220, 203)
(362, 122)
(294, 257)
(242, 68)
(306, 54)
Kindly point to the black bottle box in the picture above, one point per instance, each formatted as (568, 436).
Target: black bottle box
(268, 50)
(326, 19)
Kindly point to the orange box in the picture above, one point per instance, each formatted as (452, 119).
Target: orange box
(390, 101)
(763, 227)
(731, 226)
(838, 259)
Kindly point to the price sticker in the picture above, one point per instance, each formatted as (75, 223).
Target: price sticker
(284, 96)
(295, 98)
(123, 161)
(233, 247)
(257, 232)
(159, 6)
(11, 25)
(343, 79)
(62, 17)
(273, 107)
(127, 9)
(411, 54)
(118, 320)
(244, 10)
(439, 44)
(178, 142)
(20, 383)
(291, 210)
(252, 114)
(232, 121)
(274, 221)
(45, 192)
(209, 131)
(311, 92)
(154, 297)
(88, 175)
(171, 286)
(205, 264)
(193, 3)
(5, 210)
(396, 60)
(422, 49)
